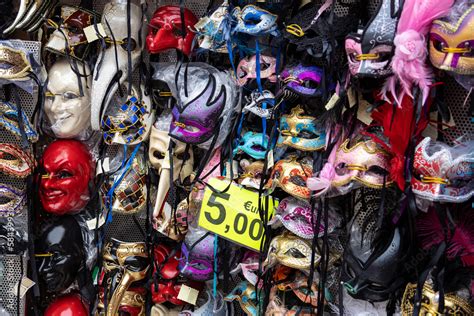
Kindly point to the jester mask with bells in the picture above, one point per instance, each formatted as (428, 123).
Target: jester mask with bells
(112, 65)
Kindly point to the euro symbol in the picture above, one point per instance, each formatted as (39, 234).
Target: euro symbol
(248, 205)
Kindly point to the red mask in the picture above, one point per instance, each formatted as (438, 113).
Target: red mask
(68, 305)
(67, 169)
(165, 30)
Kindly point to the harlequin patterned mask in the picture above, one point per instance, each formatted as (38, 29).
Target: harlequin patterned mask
(253, 144)
(70, 35)
(165, 30)
(452, 40)
(300, 132)
(198, 261)
(370, 50)
(302, 80)
(291, 175)
(255, 21)
(247, 69)
(443, 173)
(15, 162)
(9, 121)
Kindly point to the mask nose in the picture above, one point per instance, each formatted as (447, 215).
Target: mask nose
(448, 62)
(56, 104)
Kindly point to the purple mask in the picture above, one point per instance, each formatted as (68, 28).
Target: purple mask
(302, 80)
(295, 215)
(196, 121)
(198, 252)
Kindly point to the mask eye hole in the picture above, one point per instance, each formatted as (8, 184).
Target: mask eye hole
(310, 84)
(63, 174)
(295, 253)
(298, 180)
(264, 65)
(158, 154)
(252, 19)
(242, 73)
(307, 134)
(353, 57)
(258, 147)
(437, 43)
(377, 170)
(384, 56)
(7, 156)
(183, 156)
(341, 169)
(125, 44)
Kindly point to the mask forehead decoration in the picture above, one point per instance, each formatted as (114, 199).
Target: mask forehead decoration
(253, 144)
(112, 64)
(9, 120)
(129, 123)
(302, 80)
(16, 162)
(300, 132)
(452, 40)
(370, 50)
(13, 200)
(165, 30)
(290, 175)
(198, 252)
(247, 69)
(244, 293)
(255, 21)
(67, 169)
(256, 101)
(68, 112)
(443, 173)
(124, 264)
(69, 34)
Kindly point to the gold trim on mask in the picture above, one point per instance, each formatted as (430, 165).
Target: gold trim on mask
(454, 28)
(361, 57)
(18, 61)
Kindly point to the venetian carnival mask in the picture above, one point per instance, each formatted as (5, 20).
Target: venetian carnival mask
(67, 169)
(13, 200)
(165, 30)
(302, 80)
(59, 253)
(112, 64)
(128, 123)
(175, 226)
(299, 286)
(253, 144)
(68, 112)
(131, 304)
(252, 173)
(124, 263)
(69, 35)
(453, 304)
(452, 40)
(70, 304)
(9, 120)
(369, 51)
(443, 173)
(300, 132)
(260, 104)
(286, 306)
(129, 195)
(211, 305)
(15, 162)
(255, 21)
(211, 29)
(244, 293)
(247, 69)
(14, 63)
(290, 175)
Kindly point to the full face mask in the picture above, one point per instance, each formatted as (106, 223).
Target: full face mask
(452, 40)
(255, 21)
(302, 80)
(244, 293)
(300, 132)
(253, 144)
(130, 122)
(67, 169)
(124, 264)
(370, 50)
(59, 253)
(442, 173)
(290, 175)
(15, 162)
(68, 112)
(112, 64)
(165, 30)
(247, 69)
(9, 120)
(68, 304)
(69, 34)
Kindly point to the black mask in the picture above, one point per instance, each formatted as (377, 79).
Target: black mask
(60, 253)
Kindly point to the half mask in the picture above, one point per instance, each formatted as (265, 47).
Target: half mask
(252, 173)
(257, 103)
(302, 80)
(9, 120)
(70, 304)
(255, 21)
(69, 37)
(244, 293)
(175, 226)
(66, 170)
(15, 162)
(59, 253)
(299, 287)
(211, 29)
(13, 200)
(209, 306)
(290, 175)
(442, 173)
(253, 144)
(165, 30)
(300, 132)
(247, 69)
(14, 63)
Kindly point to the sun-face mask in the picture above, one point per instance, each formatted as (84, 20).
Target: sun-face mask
(247, 69)
(252, 173)
(443, 173)
(244, 293)
(112, 65)
(198, 261)
(13, 200)
(291, 251)
(67, 169)
(255, 103)
(253, 144)
(165, 30)
(290, 175)
(295, 215)
(452, 41)
(69, 34)
(255, 21)
(302, 80)
(211, 29)
(370, 50)
(129, 123)
(453, 304)
(9, 121)
(124, 263)
(68, 112)
(15, 162)
(129, 196)
(300, 132)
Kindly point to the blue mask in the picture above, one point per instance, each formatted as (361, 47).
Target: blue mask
(255, 21)
(9, 121)
(253, 144)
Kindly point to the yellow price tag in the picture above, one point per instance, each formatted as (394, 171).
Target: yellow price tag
(234, 214)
